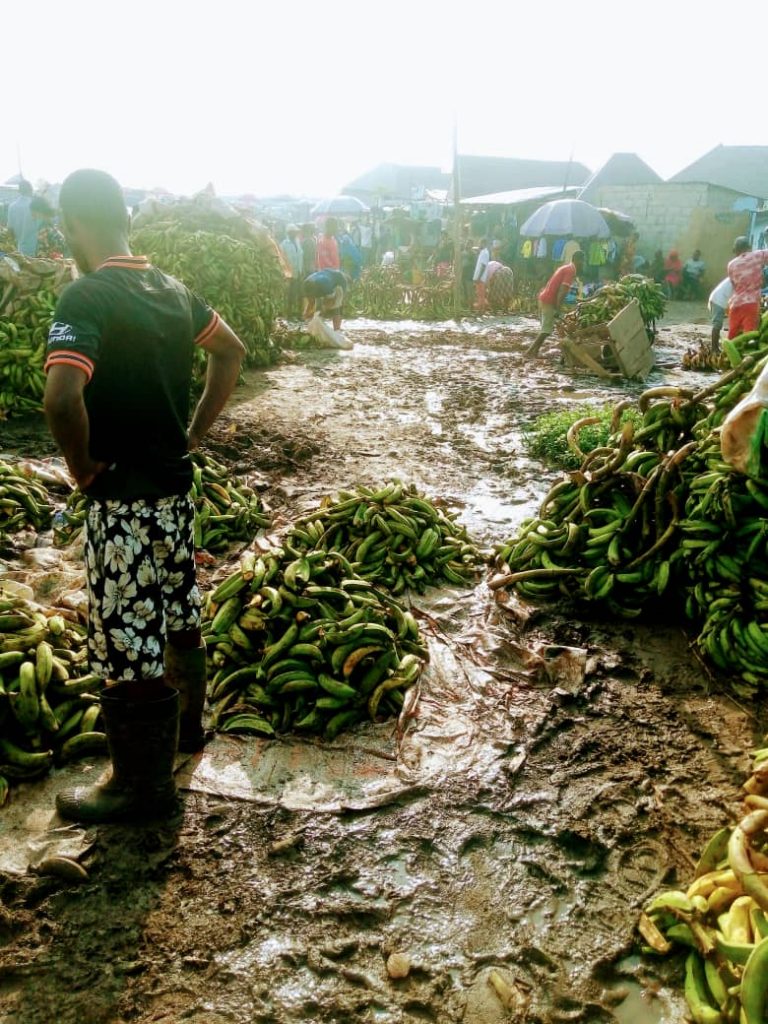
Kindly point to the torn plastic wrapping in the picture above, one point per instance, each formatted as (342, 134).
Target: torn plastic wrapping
(470, 710)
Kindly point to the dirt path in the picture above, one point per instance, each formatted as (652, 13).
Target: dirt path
(526, 868)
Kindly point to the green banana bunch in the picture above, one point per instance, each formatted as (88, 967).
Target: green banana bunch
(722, 920)
(657, 511)
(301, 642)
(381, 293)
(226, 508)
(49, 706)
(23, 340)
(23, 501)
(240, 277)
(611, 299)
(391, 535)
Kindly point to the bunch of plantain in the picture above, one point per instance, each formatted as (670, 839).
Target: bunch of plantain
(23, 501)
(49, 704)
(657, 511)
(722, 918)
(391, 535)
(227, 510)
(303, 643)
(611, 299)
(23, 339)
(703, 358)
(382, 293)
(241, 279)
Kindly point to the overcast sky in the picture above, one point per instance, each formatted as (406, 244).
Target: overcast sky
(266, 97)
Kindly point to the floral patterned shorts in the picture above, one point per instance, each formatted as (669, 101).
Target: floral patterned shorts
(140, 566)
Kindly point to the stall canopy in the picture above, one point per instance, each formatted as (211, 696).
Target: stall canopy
(518, 195)
(566, 217)
(340, 206)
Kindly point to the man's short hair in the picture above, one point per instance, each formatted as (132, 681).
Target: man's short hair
(578, 256)
(95, 199)
(741, 244)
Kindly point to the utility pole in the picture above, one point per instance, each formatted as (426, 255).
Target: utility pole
(457, 296)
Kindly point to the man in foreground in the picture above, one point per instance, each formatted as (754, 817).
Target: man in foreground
(119, 366)
(552, 297)
(746, 273)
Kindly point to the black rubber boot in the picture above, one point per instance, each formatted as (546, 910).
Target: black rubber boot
(187, 672)
(141, 721)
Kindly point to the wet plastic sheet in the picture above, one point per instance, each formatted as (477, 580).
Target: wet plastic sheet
(472, 707)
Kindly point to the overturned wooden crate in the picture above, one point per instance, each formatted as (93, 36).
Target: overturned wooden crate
(620, 348)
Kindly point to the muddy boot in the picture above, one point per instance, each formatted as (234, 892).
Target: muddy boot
(186, 671)
(141, 721)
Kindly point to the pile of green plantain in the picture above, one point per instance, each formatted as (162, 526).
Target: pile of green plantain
(23, 501)
(302, 642)
(23, 340)
(49, 704)
(658, 513)
(227, 510)
(610, 300)
(392, 536)
(722, 918)
(226, 260)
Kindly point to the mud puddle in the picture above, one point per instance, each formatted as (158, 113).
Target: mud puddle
(511, 885)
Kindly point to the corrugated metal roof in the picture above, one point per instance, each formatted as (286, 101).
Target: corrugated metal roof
(620, 169)
(519, 195)
(740, 168)
(485, 175)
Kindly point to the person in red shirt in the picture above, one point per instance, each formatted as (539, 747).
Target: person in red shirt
(552, 296)
(746, 273)
(328, 248)
(673, 273)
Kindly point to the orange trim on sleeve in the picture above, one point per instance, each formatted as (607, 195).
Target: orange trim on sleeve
(62, 357)
(207, 332)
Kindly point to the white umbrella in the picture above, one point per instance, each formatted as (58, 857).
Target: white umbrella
(566, 217)
(340, 206)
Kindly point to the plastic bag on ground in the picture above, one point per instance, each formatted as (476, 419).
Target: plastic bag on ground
(325, 335)
(745, 430)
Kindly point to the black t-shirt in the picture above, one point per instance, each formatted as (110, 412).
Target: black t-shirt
(132, 330)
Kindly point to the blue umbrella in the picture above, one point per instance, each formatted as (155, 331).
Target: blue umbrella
(339, 206)
(566, 217)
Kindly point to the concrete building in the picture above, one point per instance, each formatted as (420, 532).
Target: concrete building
(683, 216)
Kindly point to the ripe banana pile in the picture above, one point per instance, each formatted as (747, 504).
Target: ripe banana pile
(722, 919)
(23, 501)
(702, 358)
(303, 643)
(241, 280)
(49, 706)
(392, 536)
(226, 508)
(611, 299)
(657, 510)
(23, 338)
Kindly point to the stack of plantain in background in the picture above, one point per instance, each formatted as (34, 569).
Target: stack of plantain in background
(23, 339)
(23, 501)
(227, 509)
(391, 535)
(240, 277)
(302, 643)
(657, 512)
(49, 705)
(722, 918)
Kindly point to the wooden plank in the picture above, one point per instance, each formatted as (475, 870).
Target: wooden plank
(631, 343)
(580, 356)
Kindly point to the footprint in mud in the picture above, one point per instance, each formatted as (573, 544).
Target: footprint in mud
(637, 871)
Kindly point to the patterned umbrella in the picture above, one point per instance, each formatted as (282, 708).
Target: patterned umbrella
(566, 217)
(339, 206)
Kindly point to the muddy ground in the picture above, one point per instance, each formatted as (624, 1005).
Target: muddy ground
(511, 882)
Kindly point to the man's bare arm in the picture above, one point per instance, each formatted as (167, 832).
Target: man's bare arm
(68, 421)
(225, 356)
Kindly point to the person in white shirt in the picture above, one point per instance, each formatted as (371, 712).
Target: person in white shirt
(718, 304)
(480, 276)
(294, 255)
(366, 242)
